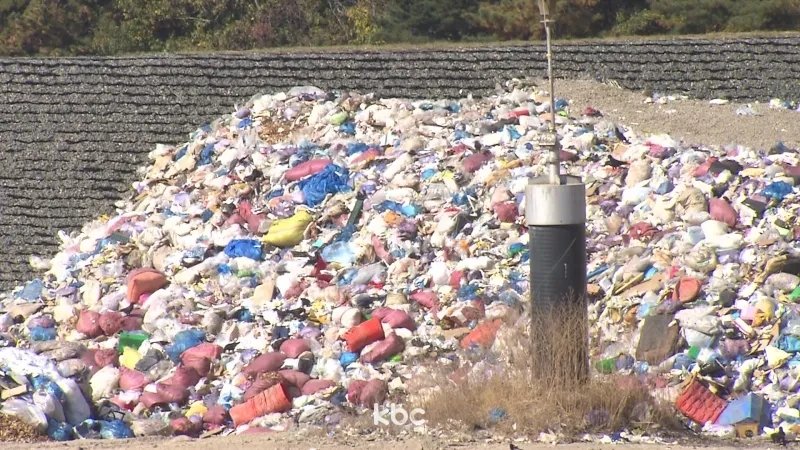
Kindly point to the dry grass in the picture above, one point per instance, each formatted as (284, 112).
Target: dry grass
(555, 393)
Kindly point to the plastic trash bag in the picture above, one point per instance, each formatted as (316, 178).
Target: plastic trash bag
(49, 404)
(244, 248)
(288, 232)
(115, 429)
(43, 334)
(104, 382)
(330, 180)
(25, 411)
(184, 341)
(778, 190)
(59, 431)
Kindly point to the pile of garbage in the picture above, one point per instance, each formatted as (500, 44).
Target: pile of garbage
(304, 255)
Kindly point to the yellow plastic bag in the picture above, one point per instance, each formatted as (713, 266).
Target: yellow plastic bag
(288, 232)
(129, 358)
(197, 408)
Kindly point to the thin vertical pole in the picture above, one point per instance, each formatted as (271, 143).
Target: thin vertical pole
(555, 163)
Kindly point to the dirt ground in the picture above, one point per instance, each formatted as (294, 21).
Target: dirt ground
(287, 441)
(694, 121)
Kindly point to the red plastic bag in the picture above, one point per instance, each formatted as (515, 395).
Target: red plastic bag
(131, 323)
(132, 380)
(396, 318)
(111, 322)
(151, 399)
(722, 211)
(206, 349)
(260, 385)
(687, 289)
(199, 357)
(385, 349)
(373, 392)
(144, 281)
(216, 415)
(184, 378)
(292, 348)
(474, 162)
(354, 391)
(268, 362)
(199, 364)
(295, 377)
(106, 357)
(182, 426)
(507, 212)
(172, 393)
(311, 387)
(89, 324)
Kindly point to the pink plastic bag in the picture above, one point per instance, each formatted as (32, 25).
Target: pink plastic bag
(385, 349)
(305, 169)
(89, 324)
(722, 211)
(292, 348)
(268, 362)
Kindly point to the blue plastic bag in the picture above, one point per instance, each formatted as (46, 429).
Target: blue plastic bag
(32, 291)
(356, 147)
(467, 292)
(185, 340)
(49, 386)
(388, 205)
(244, 248)
(348, 128)
(778, 190)
(115, 429)
(205, 155)
(348, 358)
(788, 343)
(332, 179)
(43, 334)
(59, 431)
(181, 153)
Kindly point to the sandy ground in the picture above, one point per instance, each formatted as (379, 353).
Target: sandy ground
(289, 442)
(694, 121)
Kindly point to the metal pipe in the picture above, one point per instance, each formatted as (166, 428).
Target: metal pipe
(555, 163)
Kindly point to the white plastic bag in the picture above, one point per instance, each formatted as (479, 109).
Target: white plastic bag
(104, 382)
(27, 412)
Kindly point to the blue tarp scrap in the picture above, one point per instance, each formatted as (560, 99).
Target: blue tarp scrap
(244, 248)
(181, 152)
(332, 179)
(205, 155)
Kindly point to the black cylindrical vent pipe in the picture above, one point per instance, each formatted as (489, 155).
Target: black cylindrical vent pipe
(556, 219)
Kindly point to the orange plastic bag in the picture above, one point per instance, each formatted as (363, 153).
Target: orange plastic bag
(483, 335)
(144, 281)
(364, 334)
(687, 290)
(274, 399)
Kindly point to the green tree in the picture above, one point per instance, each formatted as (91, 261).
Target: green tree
(415, 20)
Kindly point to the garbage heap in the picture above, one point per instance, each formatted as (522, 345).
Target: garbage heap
(304, 254)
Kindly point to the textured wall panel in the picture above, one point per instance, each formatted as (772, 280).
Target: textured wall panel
(74, 130)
